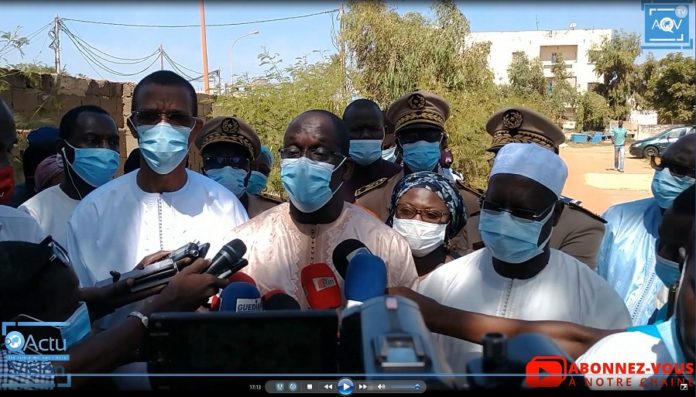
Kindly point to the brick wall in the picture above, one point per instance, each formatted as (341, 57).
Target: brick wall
(43, 100)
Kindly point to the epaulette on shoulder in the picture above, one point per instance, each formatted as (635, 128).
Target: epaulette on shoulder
(370, 187)
(575, 205)
(271, 197)
(465, 186)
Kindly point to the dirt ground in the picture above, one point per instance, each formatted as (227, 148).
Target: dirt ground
(592, 179)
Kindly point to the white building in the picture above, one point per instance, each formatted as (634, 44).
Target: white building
(545, 45)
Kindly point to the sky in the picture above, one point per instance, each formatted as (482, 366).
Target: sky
(290, 38)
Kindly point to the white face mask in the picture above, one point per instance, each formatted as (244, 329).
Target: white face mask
(422, 237)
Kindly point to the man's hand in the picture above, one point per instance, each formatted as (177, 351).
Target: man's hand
(431, 311)
(189, 288)
(152, 258)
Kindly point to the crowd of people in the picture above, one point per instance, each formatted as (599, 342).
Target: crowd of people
(518, 257)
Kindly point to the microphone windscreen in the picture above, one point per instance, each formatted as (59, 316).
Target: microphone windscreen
(278, 300)
(241, 277)
(344, 252)
(240, 297)
(320, 286)
(366, 278)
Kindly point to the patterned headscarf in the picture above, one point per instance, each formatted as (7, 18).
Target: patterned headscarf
(439, 185)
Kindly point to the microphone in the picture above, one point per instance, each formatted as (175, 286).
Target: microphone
(278, 300)
(242, 277)
(229, 260)
(366, 278)
(344, 252)
(240, 297)
(320, 286)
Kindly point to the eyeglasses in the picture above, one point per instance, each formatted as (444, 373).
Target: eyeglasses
(415, 136)
(320, 154)
(517, 212)
(212, 162)
(152, 117)
(405, 211)
(659, 164)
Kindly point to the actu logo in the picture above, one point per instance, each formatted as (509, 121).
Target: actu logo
(14, 341)
(546, 371)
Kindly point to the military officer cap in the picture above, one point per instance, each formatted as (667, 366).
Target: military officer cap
(523, 125)
(230, 129)
(420, 107)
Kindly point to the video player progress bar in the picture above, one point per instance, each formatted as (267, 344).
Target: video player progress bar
(345, 386)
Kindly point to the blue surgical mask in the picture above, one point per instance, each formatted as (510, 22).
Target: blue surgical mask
(78, 326)
(668, 333)
(257, 182)
(666, 187)
(163, 146)
(365, 151)
(308, 182)
(389, 154)
(667, 270)
(231, 178)
(512, 239)
(421, 155)
(96, 166)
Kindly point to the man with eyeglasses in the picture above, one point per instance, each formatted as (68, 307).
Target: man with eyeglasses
(162, 205)
(419, 122)
(229, 146)
(15, 225)
(627, 254)
(578, 232)
(315, 164)
(518, 275)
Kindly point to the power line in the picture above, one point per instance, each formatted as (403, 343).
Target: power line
(207, 25)
(129, 61)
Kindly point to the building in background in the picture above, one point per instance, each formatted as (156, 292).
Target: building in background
(573, 44)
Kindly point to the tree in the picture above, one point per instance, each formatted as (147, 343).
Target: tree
(614, 60)
(642, 76)
(563, 94)
(592, 112)
(672, 91)
(526, 77)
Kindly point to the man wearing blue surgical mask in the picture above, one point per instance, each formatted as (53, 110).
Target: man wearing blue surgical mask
(260, 171)
(229, 146)
(365, 123)
(88, 145)
(37, 284)
(517, 275)
(162, 205)
(315, 166)
(627, 254)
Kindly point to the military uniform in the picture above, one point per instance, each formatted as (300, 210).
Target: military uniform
(235, 130)
(579, 232)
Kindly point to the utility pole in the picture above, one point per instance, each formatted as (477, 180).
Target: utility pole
(342, 50)
(204, 48)
(161, 58)
(55, 44)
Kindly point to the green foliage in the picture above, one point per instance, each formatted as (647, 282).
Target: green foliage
(672, 90)
(615, 59)
(270, 103)
(592, 112)
(526, 77)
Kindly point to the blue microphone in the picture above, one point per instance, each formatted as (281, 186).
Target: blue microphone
(366, 277)
(240, 297)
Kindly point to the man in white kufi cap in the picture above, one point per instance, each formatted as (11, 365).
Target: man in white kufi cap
(517, 275)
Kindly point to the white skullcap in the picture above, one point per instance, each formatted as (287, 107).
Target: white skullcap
(534, 162)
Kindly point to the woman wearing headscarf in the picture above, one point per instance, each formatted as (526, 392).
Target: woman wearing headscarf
(428, 211)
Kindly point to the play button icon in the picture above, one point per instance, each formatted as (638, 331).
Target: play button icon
(345, 387)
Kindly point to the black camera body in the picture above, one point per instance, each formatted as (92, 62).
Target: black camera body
(159, 272)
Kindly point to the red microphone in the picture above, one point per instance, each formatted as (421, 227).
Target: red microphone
(320, 286)
(243, 277)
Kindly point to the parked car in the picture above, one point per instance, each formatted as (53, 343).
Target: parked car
(656, 145)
